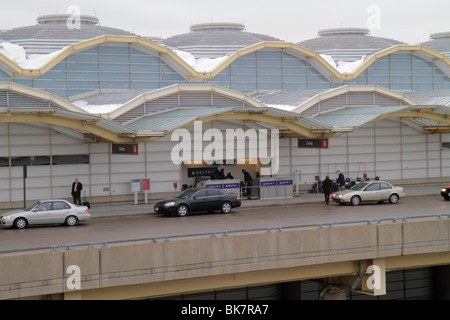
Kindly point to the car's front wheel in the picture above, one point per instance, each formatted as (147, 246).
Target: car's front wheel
(182, 210)
(20, 223)
(355, 200)
(226, 207)
(393, 198)
(71, 221)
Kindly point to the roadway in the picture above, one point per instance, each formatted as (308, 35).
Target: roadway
(149, 225)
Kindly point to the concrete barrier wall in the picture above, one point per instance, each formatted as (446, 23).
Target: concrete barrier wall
(40, 273)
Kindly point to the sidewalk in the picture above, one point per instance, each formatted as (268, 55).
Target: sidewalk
(114, 210)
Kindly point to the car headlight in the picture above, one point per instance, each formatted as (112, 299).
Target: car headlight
(6, 218)
(340, 196)
(444, 190)
(169, 204)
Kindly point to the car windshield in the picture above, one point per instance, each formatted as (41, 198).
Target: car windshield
(31, 206)
(359, 186)
(186, 194)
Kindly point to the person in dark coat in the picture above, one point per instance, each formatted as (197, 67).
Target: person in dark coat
(76, 191)
(326, 187)
(248, 182)
(340, 181)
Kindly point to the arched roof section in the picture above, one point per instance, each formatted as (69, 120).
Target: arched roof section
(188, 72)
(165, 53)
(43, 107)
(353, 117)
(156, 94)
(354, 88)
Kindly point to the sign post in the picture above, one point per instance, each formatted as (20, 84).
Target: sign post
(135, 187)
(146, 188)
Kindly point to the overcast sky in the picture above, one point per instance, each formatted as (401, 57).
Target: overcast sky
(410, 21)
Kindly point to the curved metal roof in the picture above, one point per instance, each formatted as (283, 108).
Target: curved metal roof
(212, 40)
(51, 33)
(439, 42)
(347, 44)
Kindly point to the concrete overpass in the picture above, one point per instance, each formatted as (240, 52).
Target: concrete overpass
(338, 255)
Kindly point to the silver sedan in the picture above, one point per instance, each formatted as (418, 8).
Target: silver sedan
(45, 212)
(377, 191)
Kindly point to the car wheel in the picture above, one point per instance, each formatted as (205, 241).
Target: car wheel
(393, 198)
(182, 210)
(226, 207)
(20, 223)
(355, 200)
(71, 221)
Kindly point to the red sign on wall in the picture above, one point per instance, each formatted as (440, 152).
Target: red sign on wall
(145, 184)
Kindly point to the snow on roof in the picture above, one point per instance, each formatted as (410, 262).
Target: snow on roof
(18, 55)
(344, 67)
(96, 108)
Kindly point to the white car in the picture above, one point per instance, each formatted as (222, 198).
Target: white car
(377, 191)
(45, 212)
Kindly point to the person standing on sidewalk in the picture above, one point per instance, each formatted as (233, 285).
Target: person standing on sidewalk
(76, 191)
(340, 182)
(326, 187)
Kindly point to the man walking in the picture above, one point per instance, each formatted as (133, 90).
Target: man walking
(326, 187)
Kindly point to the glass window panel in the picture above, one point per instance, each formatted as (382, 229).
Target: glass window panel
(82, 66)
(83, 75)
(269, 70)
(116, 59)
(145, 84)
(423, 72)
(294, 86)
(296, 78)
(116, 67)
(398, 85)
(270, 85)
(270, 78)
(115, 76)
(244, 62)
(173, 77)
(30, 161)
(145, 76)
(243, 86)
(114, 50)
(79, 57)
(318, 78)
(145, 59)
(44, 84)
(295, 70)
(54, 75)
(400, 64)
(269, 62)
(115, 84)
(244, 70)
(378, 71)
(83, 84)
(59, 66)
(71, 159)
(403, 72)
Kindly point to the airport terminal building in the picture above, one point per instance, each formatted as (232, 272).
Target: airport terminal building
(101, 104)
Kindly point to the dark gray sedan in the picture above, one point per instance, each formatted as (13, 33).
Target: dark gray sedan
(198, 200)
(45, 212)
